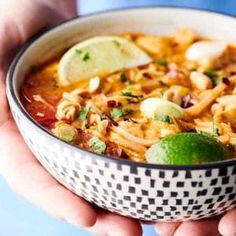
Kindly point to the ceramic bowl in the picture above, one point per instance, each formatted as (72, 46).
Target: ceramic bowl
(143, 191)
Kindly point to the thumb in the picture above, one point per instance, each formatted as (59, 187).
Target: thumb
(30, 17)
(63, 10)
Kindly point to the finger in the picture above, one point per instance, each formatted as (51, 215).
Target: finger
(64, 10)
(206, 227)
(18, 30)
(3, 101)
(166, 228)
(227, 225)
(26, 176)
(109, 224)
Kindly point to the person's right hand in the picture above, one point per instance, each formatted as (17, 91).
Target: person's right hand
(19, 20)
(222, 225)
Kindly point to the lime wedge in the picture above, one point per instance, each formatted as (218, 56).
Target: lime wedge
(187, 148)
(99, 56)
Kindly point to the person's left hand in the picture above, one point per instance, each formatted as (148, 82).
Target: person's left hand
(19, 20)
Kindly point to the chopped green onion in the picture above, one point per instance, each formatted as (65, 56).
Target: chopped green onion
(97, 145)
(162, 62)
(130, 87)
(129, 94)
(119, 112)
(65, 132)
(164, 118)
(84, 113)
(86, 57)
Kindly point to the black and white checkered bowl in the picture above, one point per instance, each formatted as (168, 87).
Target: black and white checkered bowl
(143, 191)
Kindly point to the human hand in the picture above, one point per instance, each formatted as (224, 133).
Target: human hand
(19, 21)
(224, 225)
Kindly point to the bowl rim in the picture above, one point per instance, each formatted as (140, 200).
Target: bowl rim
(11, 94)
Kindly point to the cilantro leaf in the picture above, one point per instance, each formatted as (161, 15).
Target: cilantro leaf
(86, 57)
(119, 112)
(164, 118)
(211, 73)
(97, 145)
(217, 81)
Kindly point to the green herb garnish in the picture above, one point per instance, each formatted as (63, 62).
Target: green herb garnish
(116, 43)
(211, 73)
(84, 113)
(164, 118)
(217, 81)
(123, 77)
(129, 94)
(119, 112)
(130, 87)
(86, 57)
(97, 145)
(78, 51)
(162, 62)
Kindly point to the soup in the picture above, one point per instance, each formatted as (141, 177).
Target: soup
(187, 86)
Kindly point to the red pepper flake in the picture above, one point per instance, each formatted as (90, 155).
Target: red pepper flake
(226, 81)
(113, 103)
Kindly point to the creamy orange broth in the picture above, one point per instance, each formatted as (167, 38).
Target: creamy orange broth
(111, 117)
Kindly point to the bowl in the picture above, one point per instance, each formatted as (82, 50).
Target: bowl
(138, 190)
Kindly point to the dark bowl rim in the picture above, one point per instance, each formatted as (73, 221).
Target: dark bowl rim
(12, 94)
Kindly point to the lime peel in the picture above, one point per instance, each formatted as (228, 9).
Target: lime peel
(187, 149)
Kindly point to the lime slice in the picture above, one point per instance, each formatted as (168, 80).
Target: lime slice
(99, 56)
(187, 148)
(152, 107)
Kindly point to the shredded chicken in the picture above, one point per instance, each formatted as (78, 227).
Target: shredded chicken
(186, 92)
